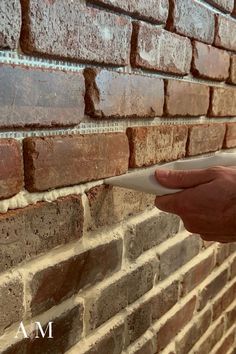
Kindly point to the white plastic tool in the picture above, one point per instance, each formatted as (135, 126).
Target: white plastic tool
(145, 181)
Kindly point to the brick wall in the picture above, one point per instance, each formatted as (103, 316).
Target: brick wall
(113, 273)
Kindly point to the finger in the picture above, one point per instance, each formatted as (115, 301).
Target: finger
(172, 203)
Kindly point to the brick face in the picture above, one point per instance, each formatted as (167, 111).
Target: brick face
(225, 5)
(53, 162)
(200, 27)
(37, 97)
(151, 145)
(10, 24)
(117, 95)
(138, 322)
(233, 69)
(61, 28)
(11, 168)
(212, 339)
(210, 62)
(186, 99)
(225, 33)
(223, 102)
(164, 300)
(157, 49)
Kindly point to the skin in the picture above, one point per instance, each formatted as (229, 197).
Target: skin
(207, 204)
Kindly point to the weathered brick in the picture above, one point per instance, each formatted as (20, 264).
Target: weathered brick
(186, 99)
(222, 253)
(52, 285)
(228, 343)
(230, 136)
(110, 205)
(10, 24)
(225, 33)
(213, 288)
(11, 302)
(146, 348)
(233, 269)
(233, 69)
(223, 102)
(164, 300)
(153, 10)
(40, 97)
(27, 232)
(205, 138)
(225, 5)
(210, 62)
(200, 26)
(117, 95)
(224, 301)
(177, 255)
(70, 29)
(213, 338)
(196, 274)
(175, 323)
(230, 317)
(11, 168)
(138, 321)
(154, 144)
(157, 49)
(150, 233)
(60, 161)
(194, 333)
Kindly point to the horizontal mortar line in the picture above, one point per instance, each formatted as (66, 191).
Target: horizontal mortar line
(214, 350)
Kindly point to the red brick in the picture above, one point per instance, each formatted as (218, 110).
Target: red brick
(186, 99)
(27, 232)
(10, 24)
(154, 144)
(231, 317)
(164, 300)
(223, 102)
(138, 321)
(210, 62)
(153, 10)
(197, 273)
(174, 324)
(205, 138)
(157, 49)
(52, 285)
(116, 95)
(110, 205)
(225, 5)
(11, 168)
(199, 26)
(212, 339)
(225, 33)
(70, 29)
(12, 300)
(224, 301)
(230, 136)
(60, 161)
(40, 97)
(228, 343)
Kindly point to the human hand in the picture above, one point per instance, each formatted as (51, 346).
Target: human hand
(207, 205)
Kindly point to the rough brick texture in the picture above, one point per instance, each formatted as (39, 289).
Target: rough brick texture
(11, 168)
(225, 33)
(200, 26)
(223, 102)
(210, 62)
(61, 28)
(114, 95)
(205, 138)
(34, 97)
(151, 145)
(225, 5)
(230, 136)
(10, 24)
(233, 69)
(157, 49)
(67, 160)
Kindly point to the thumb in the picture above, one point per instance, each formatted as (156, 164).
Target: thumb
(184, 178)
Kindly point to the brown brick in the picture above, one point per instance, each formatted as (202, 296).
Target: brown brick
(54, 284)
(157, 49)
(11, 302)
(212, 288)
(38, 228)
(194, 333)
(60, 161)
(70, 29)
(10, 24)
(225, 33)
(164, 300)
(197, 273)
(223, 102)
(40, 97)
(231, 317)
(210, 62)
(138, 322)
(230, 136)
(174, 324)
(177, 255)
(233, 69)
(224, 301)
(153, 10)
(233, 269)
(228, 343)
(146, 348)
(154, 144)
(212, 338)
(117, 95)
(186, 99)
(200, 26)
(222, 253)
(150, 233)
(110, 205)
(11, 168)
(205, 138)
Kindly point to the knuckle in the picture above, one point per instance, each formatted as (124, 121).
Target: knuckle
(217, 171)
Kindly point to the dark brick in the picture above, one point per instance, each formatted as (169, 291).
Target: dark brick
(165, 299)
(138, 322)
(224, 301)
